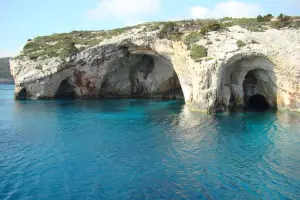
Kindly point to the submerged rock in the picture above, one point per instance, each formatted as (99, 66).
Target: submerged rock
(140, 63)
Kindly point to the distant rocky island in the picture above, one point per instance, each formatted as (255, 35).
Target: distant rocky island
(5, 76)
(214, 65)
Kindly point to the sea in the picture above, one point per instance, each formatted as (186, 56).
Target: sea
(144, 149)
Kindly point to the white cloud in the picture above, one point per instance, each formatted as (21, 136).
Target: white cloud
(231, 8)
(123, 10)
(199, 12)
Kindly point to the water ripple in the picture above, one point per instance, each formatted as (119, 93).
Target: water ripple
(139, 149)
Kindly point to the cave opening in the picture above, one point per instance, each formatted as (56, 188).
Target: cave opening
(141, 76)
(22, 95)
(256, 91)
(66, 90)
(250, 84)
(132, 75)
(257, 103)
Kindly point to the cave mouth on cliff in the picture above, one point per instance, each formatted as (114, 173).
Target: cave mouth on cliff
(141, 76)
(258, 92)
(22, 95)
(250, 83)
(66, 90)
(257, 103)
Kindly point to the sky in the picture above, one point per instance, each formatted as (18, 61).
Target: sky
(21, 20)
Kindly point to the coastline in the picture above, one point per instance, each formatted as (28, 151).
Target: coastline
(6, 81)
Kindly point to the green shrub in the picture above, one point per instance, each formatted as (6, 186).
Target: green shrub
(242, 21)
(204, 30)
(198, 52)
(168, 28)
(265, 18)
(279, 25)
(155, 27)
(254, 42)
(280, 17)
(257, 28)
(250, 24)
(209, 42)
(268, 17)
(67, 49)
(284, 21)
(170, 31)
(117, 31)
(260, 18)
(39, 67)
(240, 43)
(192, 38)
(175, 36)
(214, 26)
(254, 26)
(295, 25)
(284, 18)
(63, 45)
(39, 47)
(211, 26)
(208, 58)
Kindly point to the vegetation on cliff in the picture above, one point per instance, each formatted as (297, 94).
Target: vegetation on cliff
(198, 52)
(240, 43)
(66, 44)
(189, 31)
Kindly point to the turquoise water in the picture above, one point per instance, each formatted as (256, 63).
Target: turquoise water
(139, 149)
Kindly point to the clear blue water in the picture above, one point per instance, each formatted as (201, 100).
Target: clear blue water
(139, 149)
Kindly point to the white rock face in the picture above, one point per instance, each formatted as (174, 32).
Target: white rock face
(143, 65)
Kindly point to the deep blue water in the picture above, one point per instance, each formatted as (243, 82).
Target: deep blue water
(140, 149)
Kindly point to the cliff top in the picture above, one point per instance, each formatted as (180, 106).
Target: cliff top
(64, 45)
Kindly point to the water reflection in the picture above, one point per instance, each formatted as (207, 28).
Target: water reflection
(143, 149)
(255, 145)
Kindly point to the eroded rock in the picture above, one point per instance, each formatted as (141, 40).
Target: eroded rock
(142, 65)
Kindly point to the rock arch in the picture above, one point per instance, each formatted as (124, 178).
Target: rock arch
(123, 73)
(22, 94)
(248, 77)
(141, 75)
(66, 90)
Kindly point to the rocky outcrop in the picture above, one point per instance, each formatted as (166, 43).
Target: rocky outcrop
(139, 64)
(5, 76)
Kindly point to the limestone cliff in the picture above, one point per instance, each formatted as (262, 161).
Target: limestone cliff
(235, 65)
